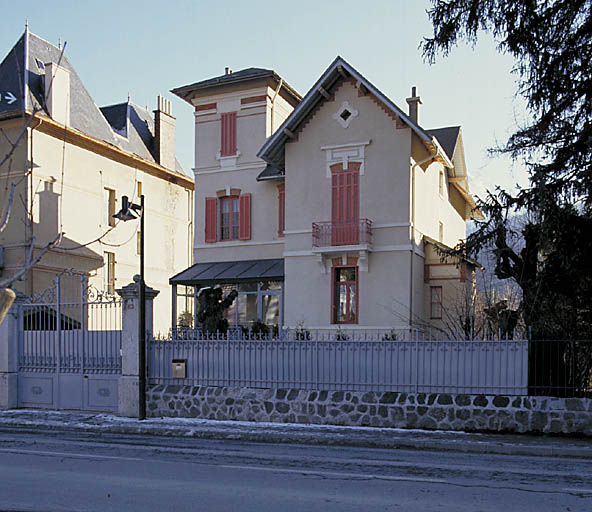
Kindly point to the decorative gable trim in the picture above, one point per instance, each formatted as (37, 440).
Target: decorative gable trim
(345, 153)
(345, 114)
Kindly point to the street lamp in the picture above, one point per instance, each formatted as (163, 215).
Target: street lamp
(131, 211)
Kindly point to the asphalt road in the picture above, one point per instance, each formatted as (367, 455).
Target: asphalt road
(55, 471)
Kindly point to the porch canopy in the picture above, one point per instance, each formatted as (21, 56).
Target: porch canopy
(230, 272)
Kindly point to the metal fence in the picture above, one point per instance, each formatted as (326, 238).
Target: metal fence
(360, 362)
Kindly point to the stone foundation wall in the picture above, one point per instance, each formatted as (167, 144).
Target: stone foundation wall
(386, 409)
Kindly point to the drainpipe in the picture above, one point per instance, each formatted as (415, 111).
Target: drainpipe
(413, 164)
(273, 102)
(31, 195)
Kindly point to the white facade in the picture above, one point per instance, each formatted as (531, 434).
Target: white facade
(365, 189)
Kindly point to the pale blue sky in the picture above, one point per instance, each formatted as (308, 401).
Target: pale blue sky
(149, 47)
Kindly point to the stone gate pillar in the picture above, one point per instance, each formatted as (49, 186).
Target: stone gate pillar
(10, 331)
(129, 404)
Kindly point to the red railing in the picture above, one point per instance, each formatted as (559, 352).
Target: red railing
(327, 234)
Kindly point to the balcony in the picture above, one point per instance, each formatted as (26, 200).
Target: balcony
(338, 234)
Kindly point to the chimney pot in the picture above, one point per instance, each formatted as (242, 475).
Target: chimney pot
(414, 102)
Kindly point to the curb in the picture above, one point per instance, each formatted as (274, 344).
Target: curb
(355, 438)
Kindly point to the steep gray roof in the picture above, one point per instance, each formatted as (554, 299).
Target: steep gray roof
(243, 75)
(273, 150)
(126, 126)
(447, 137)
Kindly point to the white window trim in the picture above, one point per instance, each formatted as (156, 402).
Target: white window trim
(345, 153)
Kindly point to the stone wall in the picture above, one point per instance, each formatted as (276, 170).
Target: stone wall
(440, 411)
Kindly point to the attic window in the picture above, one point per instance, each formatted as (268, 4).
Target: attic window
(40, 65)
(345, 114)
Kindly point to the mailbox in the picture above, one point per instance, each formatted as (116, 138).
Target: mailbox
(179, 368)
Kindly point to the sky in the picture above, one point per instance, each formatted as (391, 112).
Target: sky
(144, 48)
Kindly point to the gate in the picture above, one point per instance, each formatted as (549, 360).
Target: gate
(69, 347)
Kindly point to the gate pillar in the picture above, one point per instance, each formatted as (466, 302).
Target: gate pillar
(129, 382)
(10, 331)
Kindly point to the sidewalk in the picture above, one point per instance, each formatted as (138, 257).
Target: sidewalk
(543, 446)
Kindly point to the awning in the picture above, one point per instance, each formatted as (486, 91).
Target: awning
(231, 272)
(271, 173)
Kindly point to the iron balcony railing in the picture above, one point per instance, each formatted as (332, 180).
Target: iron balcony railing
(327, 234)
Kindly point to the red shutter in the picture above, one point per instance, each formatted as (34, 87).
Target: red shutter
(244, 231)
(228, 134)
(281, 209)
(211, 213)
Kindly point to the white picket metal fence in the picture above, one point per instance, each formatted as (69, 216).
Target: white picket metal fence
(370, 364)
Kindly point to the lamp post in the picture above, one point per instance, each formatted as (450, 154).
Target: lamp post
(130, 211)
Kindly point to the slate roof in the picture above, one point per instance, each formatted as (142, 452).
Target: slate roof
(109, 124)
(243, 75)
(447, 137)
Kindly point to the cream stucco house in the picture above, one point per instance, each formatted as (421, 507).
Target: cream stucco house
(325, 210)
(70, 162)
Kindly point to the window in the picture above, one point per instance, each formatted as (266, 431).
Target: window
(281, 210)
(228, 134)
(440, 232)
(110, 272)
(228, 218)
(109, 201)
(140, 189)
(345, 295)
(436, 302)
(138, 243)
(441, 183)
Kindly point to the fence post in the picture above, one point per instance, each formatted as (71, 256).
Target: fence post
(129, 381)
(10, 331)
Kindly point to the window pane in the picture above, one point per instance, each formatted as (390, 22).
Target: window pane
(270, 309)
(247, 287)
(247, 309)
(347, 274)
(271, 285)
(235, 218)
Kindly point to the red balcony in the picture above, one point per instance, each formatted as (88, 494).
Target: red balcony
(327, 234)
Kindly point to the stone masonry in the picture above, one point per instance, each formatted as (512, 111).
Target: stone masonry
(470, 413)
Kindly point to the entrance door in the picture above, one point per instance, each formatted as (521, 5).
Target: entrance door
(345, 204)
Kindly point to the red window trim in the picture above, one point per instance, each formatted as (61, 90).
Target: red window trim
(333, 293)
(281, 210)
(228, 134)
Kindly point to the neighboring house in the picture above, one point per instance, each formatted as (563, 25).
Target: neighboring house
(332, 218)
(72, 164)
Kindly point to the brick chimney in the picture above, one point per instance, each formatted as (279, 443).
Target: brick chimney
(164, 133)
(414, 103)
(57, 93)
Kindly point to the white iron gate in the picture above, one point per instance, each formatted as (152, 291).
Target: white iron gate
(69, 347)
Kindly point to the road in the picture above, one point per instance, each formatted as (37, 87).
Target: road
(52, 471)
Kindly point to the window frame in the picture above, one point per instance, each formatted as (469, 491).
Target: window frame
(110, 206)
(335, 285)
(232, 201)
(110, 272)
(436, 301)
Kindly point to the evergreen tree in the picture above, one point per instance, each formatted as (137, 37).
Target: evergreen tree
(551, 42)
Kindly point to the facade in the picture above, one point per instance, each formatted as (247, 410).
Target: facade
(69, 163)
(348, 204)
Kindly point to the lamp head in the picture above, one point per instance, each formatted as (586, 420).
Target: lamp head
(126, 213)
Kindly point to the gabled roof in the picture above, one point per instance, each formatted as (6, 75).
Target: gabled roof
(22, 73)
(244, 75)
(443, 143)
(273, 150)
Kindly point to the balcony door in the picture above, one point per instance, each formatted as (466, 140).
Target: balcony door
(345, 204)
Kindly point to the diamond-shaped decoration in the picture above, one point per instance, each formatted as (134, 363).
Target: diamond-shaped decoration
(345, 114)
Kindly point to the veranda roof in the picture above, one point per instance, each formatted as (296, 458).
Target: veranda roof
(230, 272)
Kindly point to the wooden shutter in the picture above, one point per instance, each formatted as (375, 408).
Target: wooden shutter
(245, 217)
(211, 213)
(228, 135)
(281, 209)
